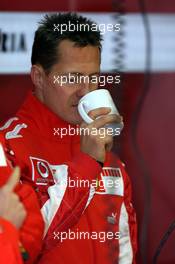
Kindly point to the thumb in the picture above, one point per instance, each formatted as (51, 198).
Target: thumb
(109, 146)
(13, 180)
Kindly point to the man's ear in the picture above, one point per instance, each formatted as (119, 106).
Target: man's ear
(37, 76)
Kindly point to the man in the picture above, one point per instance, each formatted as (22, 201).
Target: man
(21, 223)
(83, 223)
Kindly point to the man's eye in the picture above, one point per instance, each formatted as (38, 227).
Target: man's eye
(78, 79)
(71, 79)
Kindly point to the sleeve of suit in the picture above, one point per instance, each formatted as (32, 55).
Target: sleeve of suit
(9, 243)
(31, 232)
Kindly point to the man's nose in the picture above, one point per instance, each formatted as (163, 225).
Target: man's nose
(83, 89)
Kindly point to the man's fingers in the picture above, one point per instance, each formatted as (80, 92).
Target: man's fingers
(13, 180)
(99, 111)
(108, 119)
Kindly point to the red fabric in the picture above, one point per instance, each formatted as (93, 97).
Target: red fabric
(31, 232)
(9, 244)
(45, 158)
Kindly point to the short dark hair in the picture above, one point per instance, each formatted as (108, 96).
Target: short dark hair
(47, 39)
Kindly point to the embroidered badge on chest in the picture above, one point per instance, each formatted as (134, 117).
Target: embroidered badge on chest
(112, 219)
(110, 182)
(42, 173)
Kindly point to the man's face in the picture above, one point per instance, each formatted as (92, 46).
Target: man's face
(73, 61)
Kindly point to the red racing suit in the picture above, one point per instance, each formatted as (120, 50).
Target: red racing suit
(30, 234)
(9, 244)
(84, 222)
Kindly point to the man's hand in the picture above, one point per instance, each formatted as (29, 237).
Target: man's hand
(11, 208)
(95, 145)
